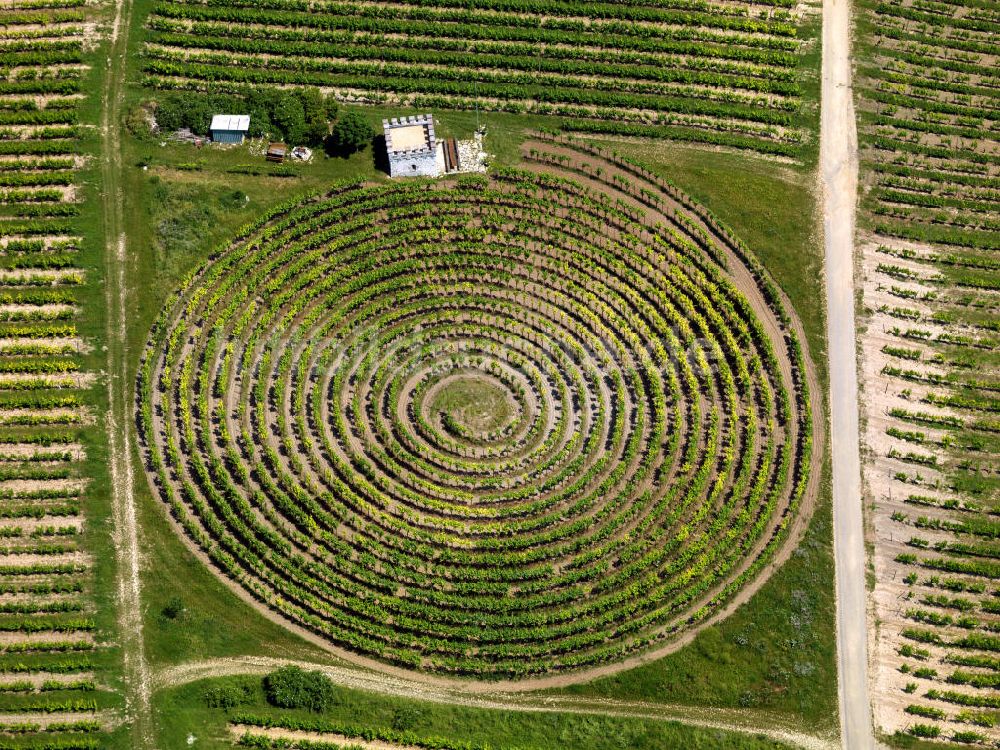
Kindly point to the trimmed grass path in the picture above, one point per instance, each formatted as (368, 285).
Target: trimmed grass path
(138, 707)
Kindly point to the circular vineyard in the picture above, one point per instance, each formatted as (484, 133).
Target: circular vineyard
(491, 426)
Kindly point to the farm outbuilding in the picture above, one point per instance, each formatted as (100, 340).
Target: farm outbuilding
(412, 148)
(229, 128)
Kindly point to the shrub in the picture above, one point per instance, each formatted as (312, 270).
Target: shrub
(233, 200)
(405, 718)
(293, 687)
(174, 608)
(930, 712)
(969, 738)
(137, 121)
(229, 695)
(925, 730)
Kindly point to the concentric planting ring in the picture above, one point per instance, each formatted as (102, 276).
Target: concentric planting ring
(489, 426)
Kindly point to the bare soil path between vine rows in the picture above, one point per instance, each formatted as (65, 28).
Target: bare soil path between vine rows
(839, 179)
(350, 677)
(119, 416)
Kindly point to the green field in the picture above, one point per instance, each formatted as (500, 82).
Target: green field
(717, 101)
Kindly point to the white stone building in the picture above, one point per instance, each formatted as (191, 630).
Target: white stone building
(412, 148)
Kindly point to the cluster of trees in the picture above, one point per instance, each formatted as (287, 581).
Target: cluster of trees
(299, 116)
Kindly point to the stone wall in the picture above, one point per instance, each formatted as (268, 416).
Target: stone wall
(414, 164)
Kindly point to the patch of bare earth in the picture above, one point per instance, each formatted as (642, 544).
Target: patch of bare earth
(887, 493)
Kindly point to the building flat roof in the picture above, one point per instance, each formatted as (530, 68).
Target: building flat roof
(410, 138)
(407, 134)
(230, 122)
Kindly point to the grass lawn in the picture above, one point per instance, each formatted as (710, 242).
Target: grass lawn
(475, 405)
(182, 713)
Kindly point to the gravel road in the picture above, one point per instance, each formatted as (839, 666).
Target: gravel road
(839, 175)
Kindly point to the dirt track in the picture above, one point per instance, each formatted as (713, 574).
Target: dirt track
(839, 175)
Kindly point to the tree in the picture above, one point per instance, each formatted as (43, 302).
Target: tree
(352, 132)
(317, 115)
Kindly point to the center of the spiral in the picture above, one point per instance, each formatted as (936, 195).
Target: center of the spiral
(474, 407)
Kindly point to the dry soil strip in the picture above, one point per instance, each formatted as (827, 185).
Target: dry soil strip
(839, 175)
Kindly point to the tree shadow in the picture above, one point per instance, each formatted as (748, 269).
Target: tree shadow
(379, 154)
(334, 150)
